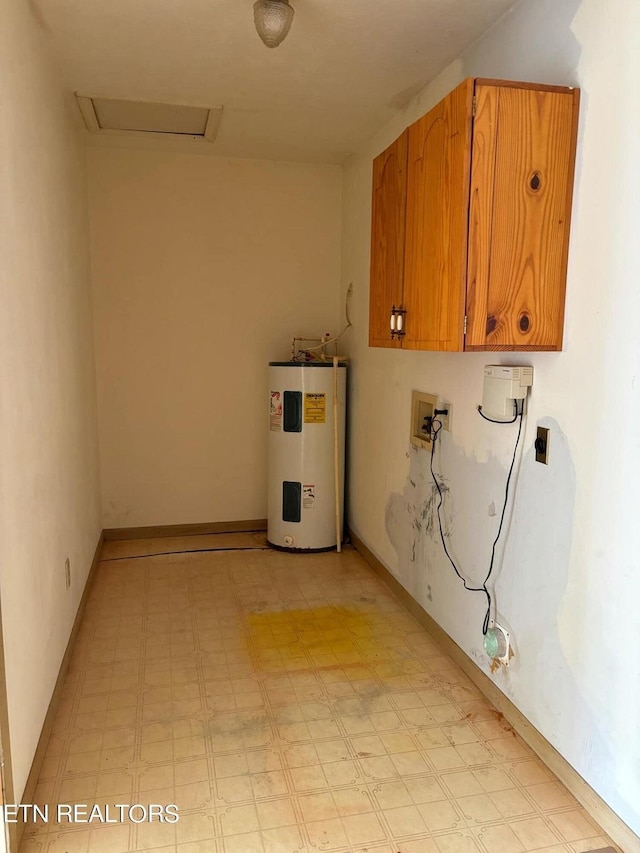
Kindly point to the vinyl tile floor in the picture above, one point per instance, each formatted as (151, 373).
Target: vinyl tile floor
(285, 704)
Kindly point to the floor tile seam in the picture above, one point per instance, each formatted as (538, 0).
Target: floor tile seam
(516, 821)
(297, 810)
(538, 809)
(393, 837)
(306, 834)
(138, 724)
(411, 803)
(272, 715)
(205, 719)
(480, 737)
(198, 659)
(217, 835)
(478, 824)
(137, 761)
(74, 732)
(140, 767)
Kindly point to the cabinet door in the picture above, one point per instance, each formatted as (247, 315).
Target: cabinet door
(521, 187)
(437, 218)
(387, 240)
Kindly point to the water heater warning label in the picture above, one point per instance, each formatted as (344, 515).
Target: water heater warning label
(275, 411)
(308, 496)
(315, 408)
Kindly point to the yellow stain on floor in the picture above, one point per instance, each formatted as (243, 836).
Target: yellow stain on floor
(319, 637)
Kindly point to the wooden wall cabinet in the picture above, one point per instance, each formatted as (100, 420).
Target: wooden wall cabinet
(470, 222)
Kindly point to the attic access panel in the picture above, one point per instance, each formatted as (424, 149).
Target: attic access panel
(114, 115)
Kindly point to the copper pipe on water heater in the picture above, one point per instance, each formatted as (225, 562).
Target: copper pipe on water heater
(336, 454)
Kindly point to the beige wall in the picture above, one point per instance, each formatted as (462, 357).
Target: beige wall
(49, 496)
(567, 584)
(203, 269)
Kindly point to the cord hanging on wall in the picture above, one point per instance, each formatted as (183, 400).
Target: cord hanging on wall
(435, 427)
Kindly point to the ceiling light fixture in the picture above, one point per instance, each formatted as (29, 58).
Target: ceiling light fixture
(273, 20)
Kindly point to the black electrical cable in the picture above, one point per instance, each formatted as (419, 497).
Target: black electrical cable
(493, 421)
(434, 436)
(487, 618)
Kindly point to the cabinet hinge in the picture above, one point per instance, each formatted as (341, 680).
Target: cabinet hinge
(474, 105)
(464, 327)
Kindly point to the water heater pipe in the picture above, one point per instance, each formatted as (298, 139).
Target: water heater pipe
(336, 454)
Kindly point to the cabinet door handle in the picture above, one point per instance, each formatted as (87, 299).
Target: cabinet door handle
(396, 322)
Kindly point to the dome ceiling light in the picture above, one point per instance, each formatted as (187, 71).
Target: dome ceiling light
(273, 20)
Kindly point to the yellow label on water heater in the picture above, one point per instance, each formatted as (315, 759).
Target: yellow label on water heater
(315, 408)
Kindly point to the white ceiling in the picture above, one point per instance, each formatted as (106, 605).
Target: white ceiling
(344, 69)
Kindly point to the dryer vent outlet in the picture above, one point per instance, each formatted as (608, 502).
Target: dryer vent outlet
(497, 643)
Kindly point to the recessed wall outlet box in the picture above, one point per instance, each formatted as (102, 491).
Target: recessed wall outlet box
(502, 385)
(422, 407)
(541, 445)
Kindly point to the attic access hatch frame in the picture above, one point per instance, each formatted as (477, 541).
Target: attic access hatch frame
(205, 127)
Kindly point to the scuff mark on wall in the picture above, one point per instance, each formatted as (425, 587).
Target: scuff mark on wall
(531, 571)
(411, 517)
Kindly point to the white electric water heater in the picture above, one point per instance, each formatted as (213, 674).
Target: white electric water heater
(306, 446)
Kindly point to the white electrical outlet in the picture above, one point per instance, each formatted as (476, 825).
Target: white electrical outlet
(67, 572)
